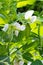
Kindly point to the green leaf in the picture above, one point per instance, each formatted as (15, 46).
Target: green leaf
(4, 63)
(4, 58)
(13, 11)
(27, 30)
(20, 17)
(24, 3)
(2, 21)
(41, 0)
(27, 56)
(37, 62)
(3, 50)
(4, 37)
(25, 64)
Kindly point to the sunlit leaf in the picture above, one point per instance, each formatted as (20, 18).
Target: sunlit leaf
(2, 21)
(24, 3)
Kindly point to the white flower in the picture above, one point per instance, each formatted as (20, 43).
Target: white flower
(5, 27)
(17, 25)
(29, 63)
(33, 18)
(21, 63)
(16, 32)
(22, 27)
(18, 28)
(28, 15)
(42, 61)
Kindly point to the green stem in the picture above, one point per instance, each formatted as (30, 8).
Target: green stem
(8, 53)
(39, 34)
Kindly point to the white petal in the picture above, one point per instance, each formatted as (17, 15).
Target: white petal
(5, 27)
(21, 63)
(28, 14)
(16, 32)
(22, 27)
(33, 40)
(29, 63)
(17, 25)
(33, 18)
(42, 61)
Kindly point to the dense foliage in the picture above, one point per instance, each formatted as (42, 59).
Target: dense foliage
(21, 32)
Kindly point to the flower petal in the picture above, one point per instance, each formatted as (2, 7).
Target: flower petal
(22, 27)
(16, 32)
(28, 14)
(5, 27)
(17, 25)
(42, 61)
(33, 18)
(21, 62)
(29, 63)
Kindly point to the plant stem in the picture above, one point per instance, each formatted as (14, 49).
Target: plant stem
(8, 53)
(39, 34)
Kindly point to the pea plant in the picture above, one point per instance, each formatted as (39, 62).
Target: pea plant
(21, 34)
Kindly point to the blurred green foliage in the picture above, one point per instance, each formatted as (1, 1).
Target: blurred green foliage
(28, 46)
